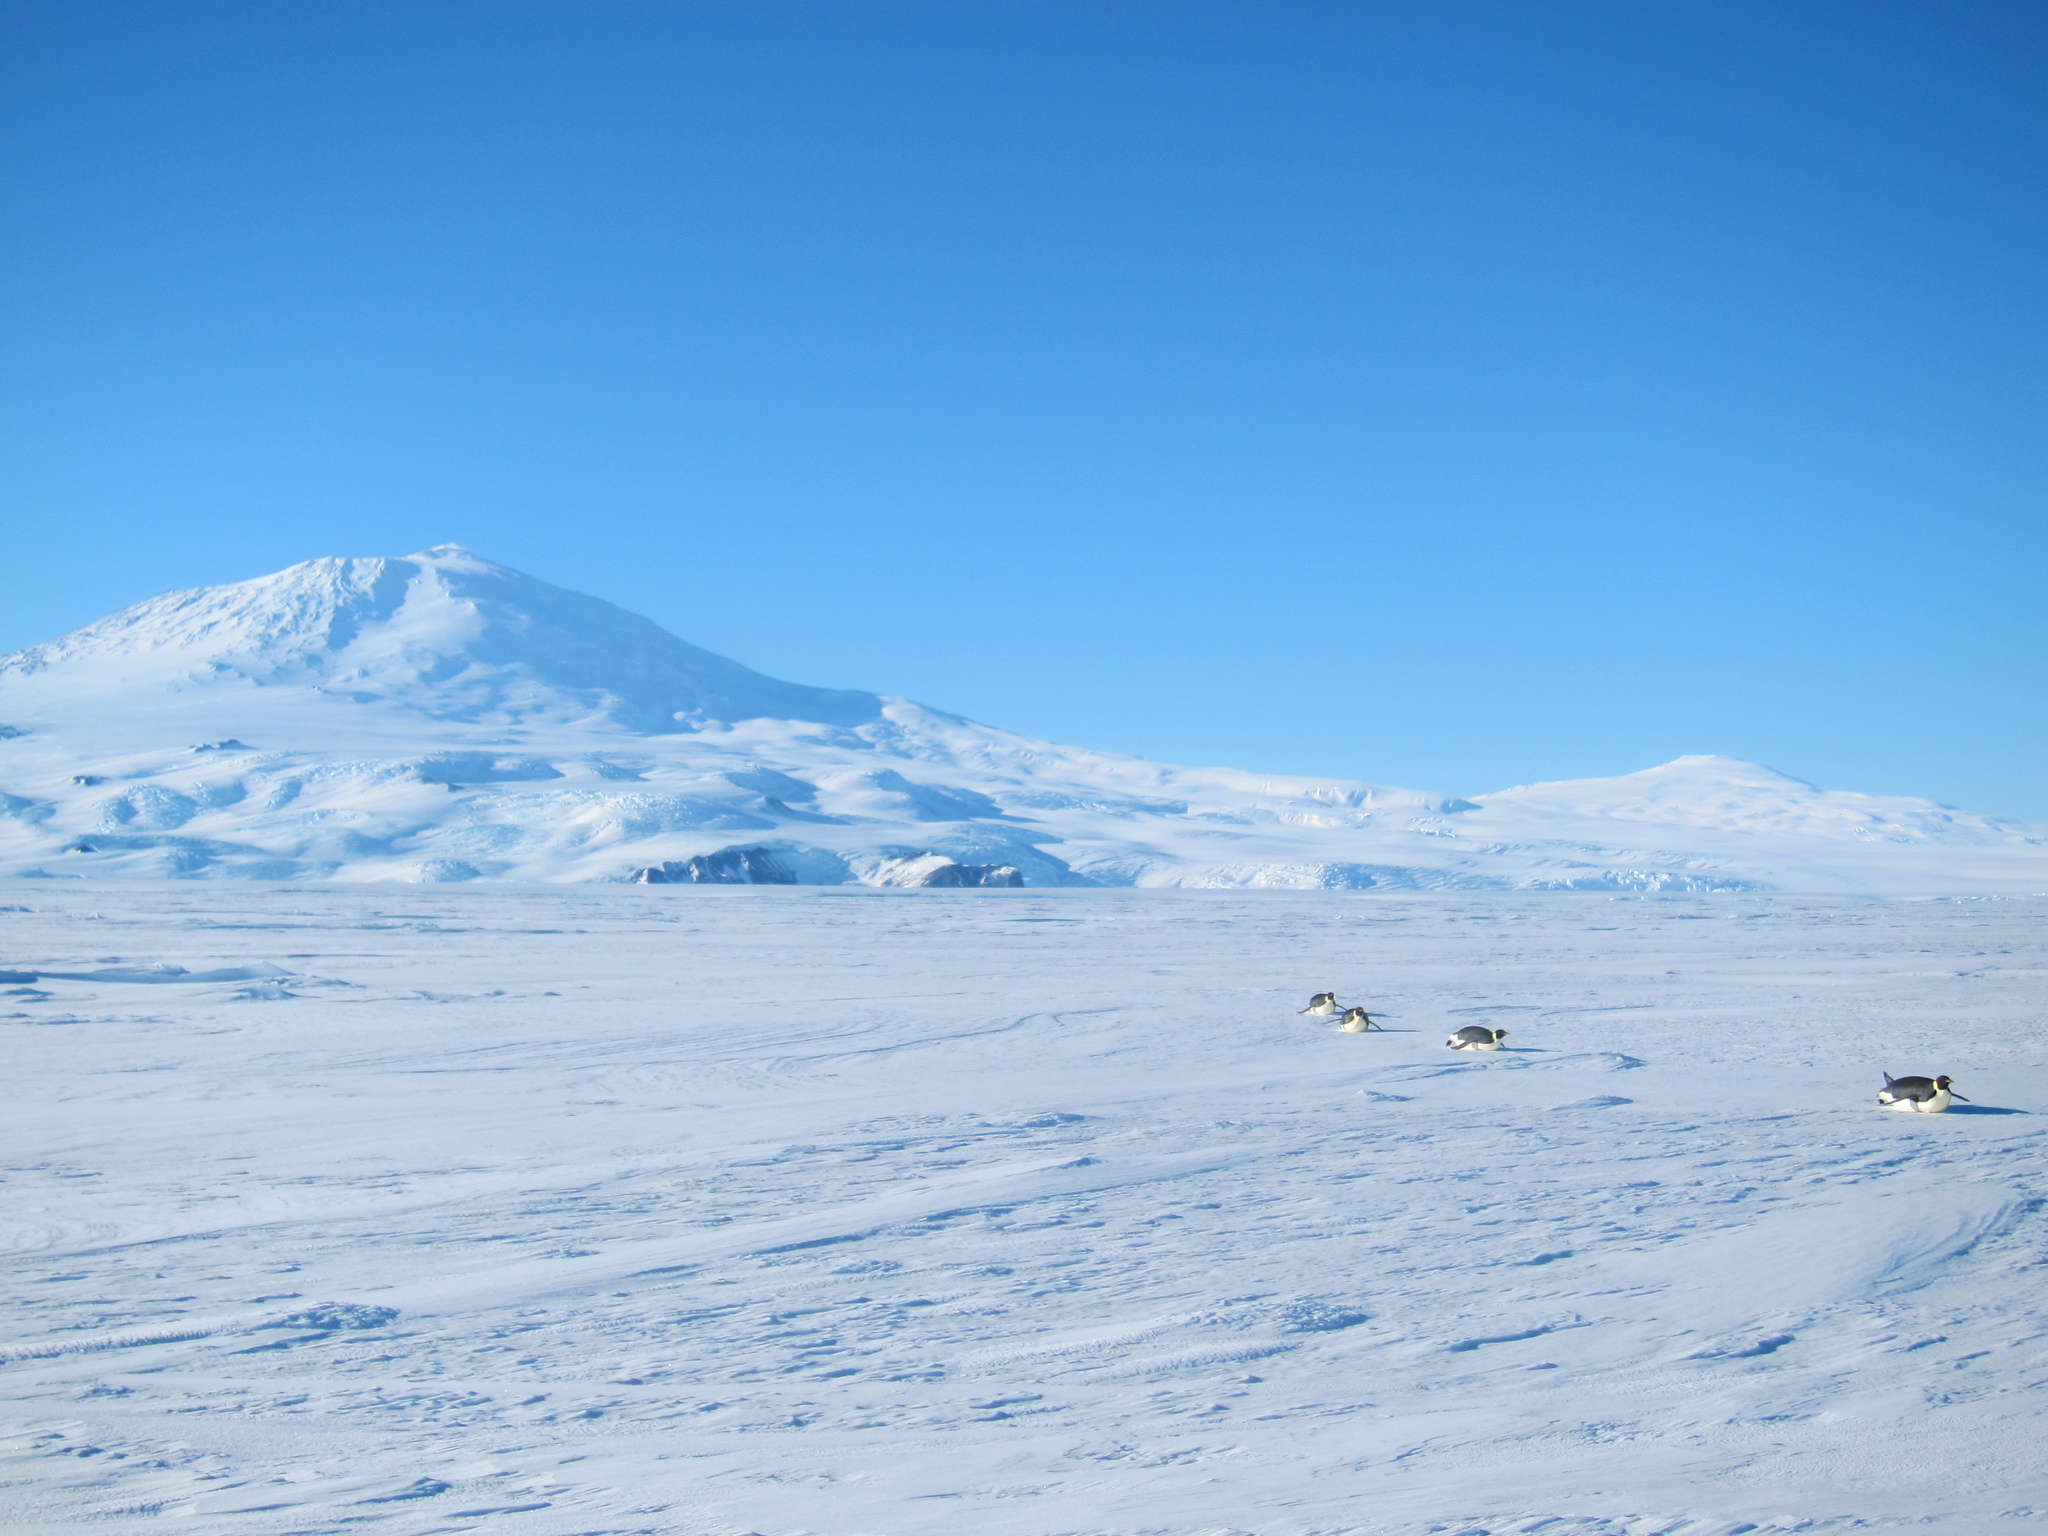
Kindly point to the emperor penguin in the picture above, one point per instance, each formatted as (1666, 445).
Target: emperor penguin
(1477, 1037)
(1322, 1005)
(1357, 1021)
(1918, 1095)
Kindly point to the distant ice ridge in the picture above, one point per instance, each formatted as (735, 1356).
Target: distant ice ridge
(441, 718)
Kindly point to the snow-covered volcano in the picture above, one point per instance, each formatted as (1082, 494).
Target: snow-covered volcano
(440, 717)
(443, 633)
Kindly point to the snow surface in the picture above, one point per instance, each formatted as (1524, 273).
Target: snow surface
(443, 719)
(723, 1210)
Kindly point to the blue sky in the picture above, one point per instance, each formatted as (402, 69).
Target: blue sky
(1443, 396)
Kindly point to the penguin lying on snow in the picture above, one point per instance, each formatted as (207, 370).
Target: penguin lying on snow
(1922, 1095)
(1477, 1037)
(1357, 1021)
(1322, 1005)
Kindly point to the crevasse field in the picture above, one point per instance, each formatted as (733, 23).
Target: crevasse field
(768, 1210)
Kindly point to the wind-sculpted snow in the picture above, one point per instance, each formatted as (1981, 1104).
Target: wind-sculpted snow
(1023, 1213)
(441, 718)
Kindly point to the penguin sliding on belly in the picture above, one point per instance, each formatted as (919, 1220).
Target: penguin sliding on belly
(1322, 1005)
(1477, 1037)
(1357, 1021)
(1917, 1095)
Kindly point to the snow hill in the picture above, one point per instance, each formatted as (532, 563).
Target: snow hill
(443, 718)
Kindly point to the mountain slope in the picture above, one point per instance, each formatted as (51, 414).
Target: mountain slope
(445, 633)
(1722, 793)
(443, 718)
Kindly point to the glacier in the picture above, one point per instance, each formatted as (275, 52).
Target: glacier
(441, 718)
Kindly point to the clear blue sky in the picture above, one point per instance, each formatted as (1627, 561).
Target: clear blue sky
(1449, 396)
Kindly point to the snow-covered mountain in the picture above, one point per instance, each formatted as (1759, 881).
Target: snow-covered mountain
(444, 718)
(444, 634)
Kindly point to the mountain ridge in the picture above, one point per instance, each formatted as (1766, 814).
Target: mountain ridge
(441, 717)
(432, 619)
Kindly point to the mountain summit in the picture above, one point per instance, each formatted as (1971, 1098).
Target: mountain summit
(446, 633)
(439, 717)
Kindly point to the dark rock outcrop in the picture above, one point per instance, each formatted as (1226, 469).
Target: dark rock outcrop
(954, 876)
(728, 866)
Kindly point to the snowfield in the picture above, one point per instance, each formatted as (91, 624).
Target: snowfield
(725, 1210)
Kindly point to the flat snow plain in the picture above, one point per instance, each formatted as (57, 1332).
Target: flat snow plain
(822, 1210)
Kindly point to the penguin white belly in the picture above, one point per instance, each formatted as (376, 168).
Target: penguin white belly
(1930, 1106)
